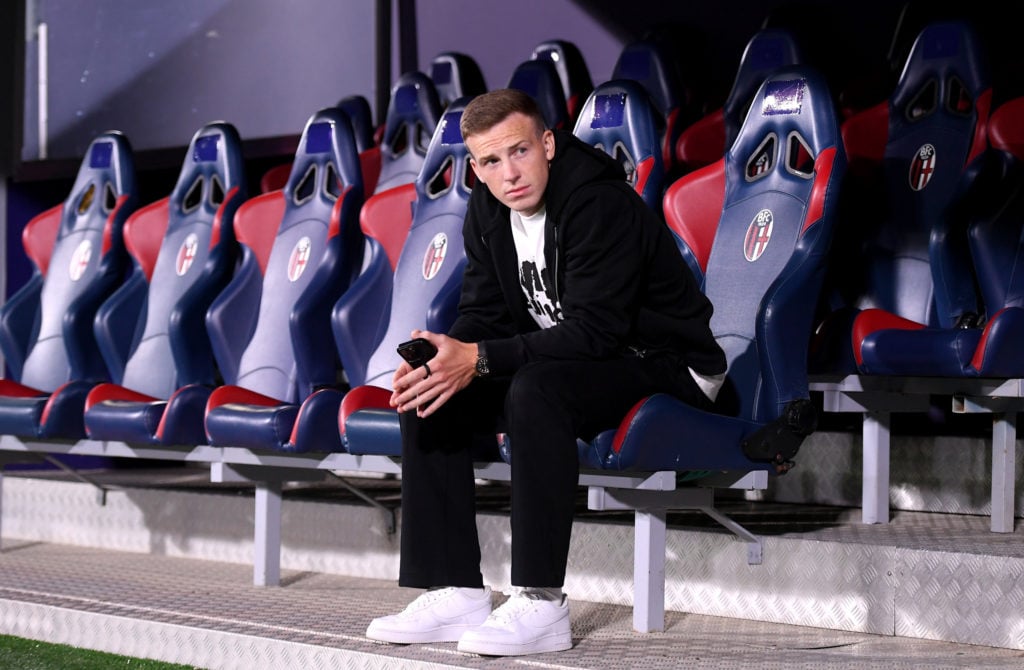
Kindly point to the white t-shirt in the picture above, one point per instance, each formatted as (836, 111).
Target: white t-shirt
(535, 280)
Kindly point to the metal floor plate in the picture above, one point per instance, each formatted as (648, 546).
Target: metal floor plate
(207, 614)
(146, 594)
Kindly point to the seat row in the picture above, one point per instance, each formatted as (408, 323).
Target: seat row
(266, 326)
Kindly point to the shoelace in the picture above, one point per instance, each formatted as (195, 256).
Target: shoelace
(429, 598)
(512, 609)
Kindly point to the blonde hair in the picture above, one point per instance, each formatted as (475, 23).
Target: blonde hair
(489, 109)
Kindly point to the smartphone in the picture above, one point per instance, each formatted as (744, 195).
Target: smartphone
(417, 352)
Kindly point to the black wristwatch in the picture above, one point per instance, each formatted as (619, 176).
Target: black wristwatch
(482, 369)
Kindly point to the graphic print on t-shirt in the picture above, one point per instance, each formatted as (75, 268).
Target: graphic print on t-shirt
(540, 294)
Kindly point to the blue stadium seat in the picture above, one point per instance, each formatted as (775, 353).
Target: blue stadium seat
(427, 281)
(357, 108)
(756, 226)
(412, 115)
(573, 72)
(620, 119)
(997, 248)
(706, 139)
(152, 331)
(270, 328)
(539, 78)
(648, 61)
(902, 257)
(992, 348)
(46, 327)
(456, 75)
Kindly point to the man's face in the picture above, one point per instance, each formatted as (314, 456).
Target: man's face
(511, 158)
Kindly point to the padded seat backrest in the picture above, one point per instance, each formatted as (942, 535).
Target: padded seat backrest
(301, 247)
(918, 156)
(85, 265)
(195, 240)
(620, 119)
(706, 140)
(756, 225)
(649, 63)
(456, 75)
(540, 80)
(572, 71)
(997, 234)
(428, 276)
(412, 115)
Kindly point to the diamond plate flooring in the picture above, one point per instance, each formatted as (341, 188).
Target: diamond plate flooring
(207, 613)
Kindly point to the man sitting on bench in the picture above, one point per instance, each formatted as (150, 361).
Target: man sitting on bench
(575, 304)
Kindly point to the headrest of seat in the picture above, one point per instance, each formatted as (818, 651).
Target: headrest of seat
(540, 79)
(359, 114)
(791, 120)
(572, 71)
(767, 51)
(619, 118)
(105, 175)
(213, 166)
(326, 162)
(946, 70)
(446, 172)
(412, 115)
(647, 62)
(456, 75)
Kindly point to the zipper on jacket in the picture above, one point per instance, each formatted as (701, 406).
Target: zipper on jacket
(554, 276)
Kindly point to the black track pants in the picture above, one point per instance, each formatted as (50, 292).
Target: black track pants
(543, 408)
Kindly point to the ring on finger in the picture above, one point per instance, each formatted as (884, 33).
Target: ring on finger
(427, 368)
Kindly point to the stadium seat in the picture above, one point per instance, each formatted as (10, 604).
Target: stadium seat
(152, 331)
(706, 139)
(648, 61)
(539, 78)
(572, 71)
(992, 348)
(270, 327)
(756, 226)
(997, 249)
(412, 115)
(456, 75)
(427, 281)
(902, 260)
(620, 119)
(46, 328)
(357, 108)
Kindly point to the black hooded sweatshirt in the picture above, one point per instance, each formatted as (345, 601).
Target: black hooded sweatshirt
(621, 282)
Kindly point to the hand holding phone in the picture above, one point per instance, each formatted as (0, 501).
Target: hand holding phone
(417, 351)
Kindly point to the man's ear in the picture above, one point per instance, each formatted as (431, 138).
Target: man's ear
(548, 138)
(472, 164)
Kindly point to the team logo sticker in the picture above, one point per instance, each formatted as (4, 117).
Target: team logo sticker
(299, 259)
(759, 233)
(434, 258)
(80, 260)
(922, 167)
(186, 254)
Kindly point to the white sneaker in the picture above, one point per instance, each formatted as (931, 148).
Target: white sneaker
(522, 625)
(440, 615)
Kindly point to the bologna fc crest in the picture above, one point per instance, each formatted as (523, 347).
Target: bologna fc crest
(186, 254)
(434, 257)
(80, 260)
(759, 233)
(299, 259)
(922, 167)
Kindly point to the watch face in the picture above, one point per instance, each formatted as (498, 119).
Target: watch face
(481, 366)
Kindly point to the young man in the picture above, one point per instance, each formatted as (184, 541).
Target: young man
(575, 304)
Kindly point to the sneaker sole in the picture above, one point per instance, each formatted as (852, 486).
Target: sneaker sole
(443, 634)
(560, 642)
